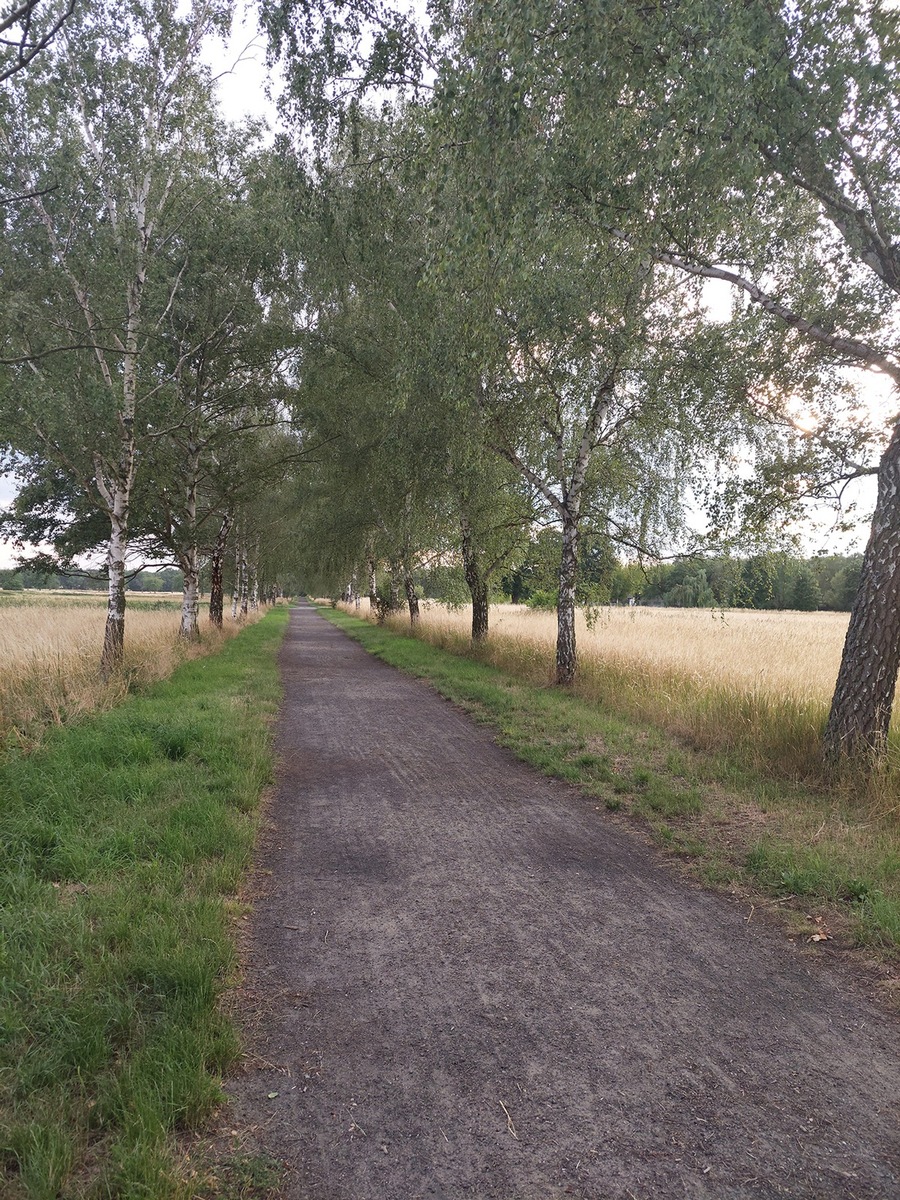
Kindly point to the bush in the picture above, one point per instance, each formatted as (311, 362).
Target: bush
(546, 601)
(11, 581)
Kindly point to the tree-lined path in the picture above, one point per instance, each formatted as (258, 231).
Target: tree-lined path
(464, 981)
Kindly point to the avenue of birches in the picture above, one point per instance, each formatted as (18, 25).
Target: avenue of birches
(615, 280)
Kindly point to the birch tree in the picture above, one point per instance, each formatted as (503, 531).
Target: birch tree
(755, 145)
(104, 135)
(224, 341)
(26, 28)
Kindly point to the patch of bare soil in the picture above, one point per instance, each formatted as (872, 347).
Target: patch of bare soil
(464, 981)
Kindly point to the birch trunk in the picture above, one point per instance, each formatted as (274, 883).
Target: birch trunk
(190, 595)
(189, 558)
(476, 584)
(566, 660)
(114, 633)
(395, 586)
(254, 579)
(245, 583)
(864, 693)
(373, 589)
(412, 599)
(236, 590)
(217, 573)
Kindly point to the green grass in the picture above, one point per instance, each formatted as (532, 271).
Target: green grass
(734, 825)
(242, 1177)
(123, 838)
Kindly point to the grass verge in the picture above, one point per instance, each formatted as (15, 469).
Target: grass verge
(831, 865)
(124, 838)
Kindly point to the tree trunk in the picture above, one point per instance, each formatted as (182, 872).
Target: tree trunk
(373, 587)
(236, 588)
(254, 579)
(189, 558)
(476, 584)
(114, 634)
(245, 583)
(190, 595)
(411, 598)
(217, 572)
(395, 586)
(864, 693)
(566, 661)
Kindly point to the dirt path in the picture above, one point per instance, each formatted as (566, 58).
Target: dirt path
(468, 983)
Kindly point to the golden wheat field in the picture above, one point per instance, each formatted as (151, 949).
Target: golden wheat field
(50, 649)
(782, 653)
(757, 680)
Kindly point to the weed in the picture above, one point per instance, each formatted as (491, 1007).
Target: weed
(243, 1177)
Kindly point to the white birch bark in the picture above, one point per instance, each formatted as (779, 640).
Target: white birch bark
(190, 596)
(245, 583)
(217, 566)
(236, 588)
(254, 577)
(372, 583)
(189, 557)
(566, 655)
(114, 632)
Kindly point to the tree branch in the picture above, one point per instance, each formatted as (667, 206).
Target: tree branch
(863, 351)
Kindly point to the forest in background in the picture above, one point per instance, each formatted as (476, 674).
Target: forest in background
(769, 581)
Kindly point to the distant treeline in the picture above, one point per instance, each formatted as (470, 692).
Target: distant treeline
(11, 580)
(773, 580)
(764, 581)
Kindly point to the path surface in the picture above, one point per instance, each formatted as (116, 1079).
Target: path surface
(467, 983)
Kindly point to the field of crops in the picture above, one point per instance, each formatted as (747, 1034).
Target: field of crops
(50, 647)
(761, 681)
(783, 653)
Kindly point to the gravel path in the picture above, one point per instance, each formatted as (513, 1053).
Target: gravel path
(464, 981)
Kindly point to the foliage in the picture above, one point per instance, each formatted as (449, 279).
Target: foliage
(27, 27)
(755, 145)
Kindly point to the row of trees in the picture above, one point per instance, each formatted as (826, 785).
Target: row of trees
(775, 580)
(411, 333)
(145, 266)
(508, 287)
(15, 579)
(765, 581)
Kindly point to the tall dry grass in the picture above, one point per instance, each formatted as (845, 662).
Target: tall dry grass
(50, 651)
(756, 682)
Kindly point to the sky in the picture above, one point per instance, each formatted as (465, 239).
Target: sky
(239, 67)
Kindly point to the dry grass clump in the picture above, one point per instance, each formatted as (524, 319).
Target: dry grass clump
(50, 652)
(756, 682)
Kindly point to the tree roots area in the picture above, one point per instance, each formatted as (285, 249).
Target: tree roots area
(462, 980)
